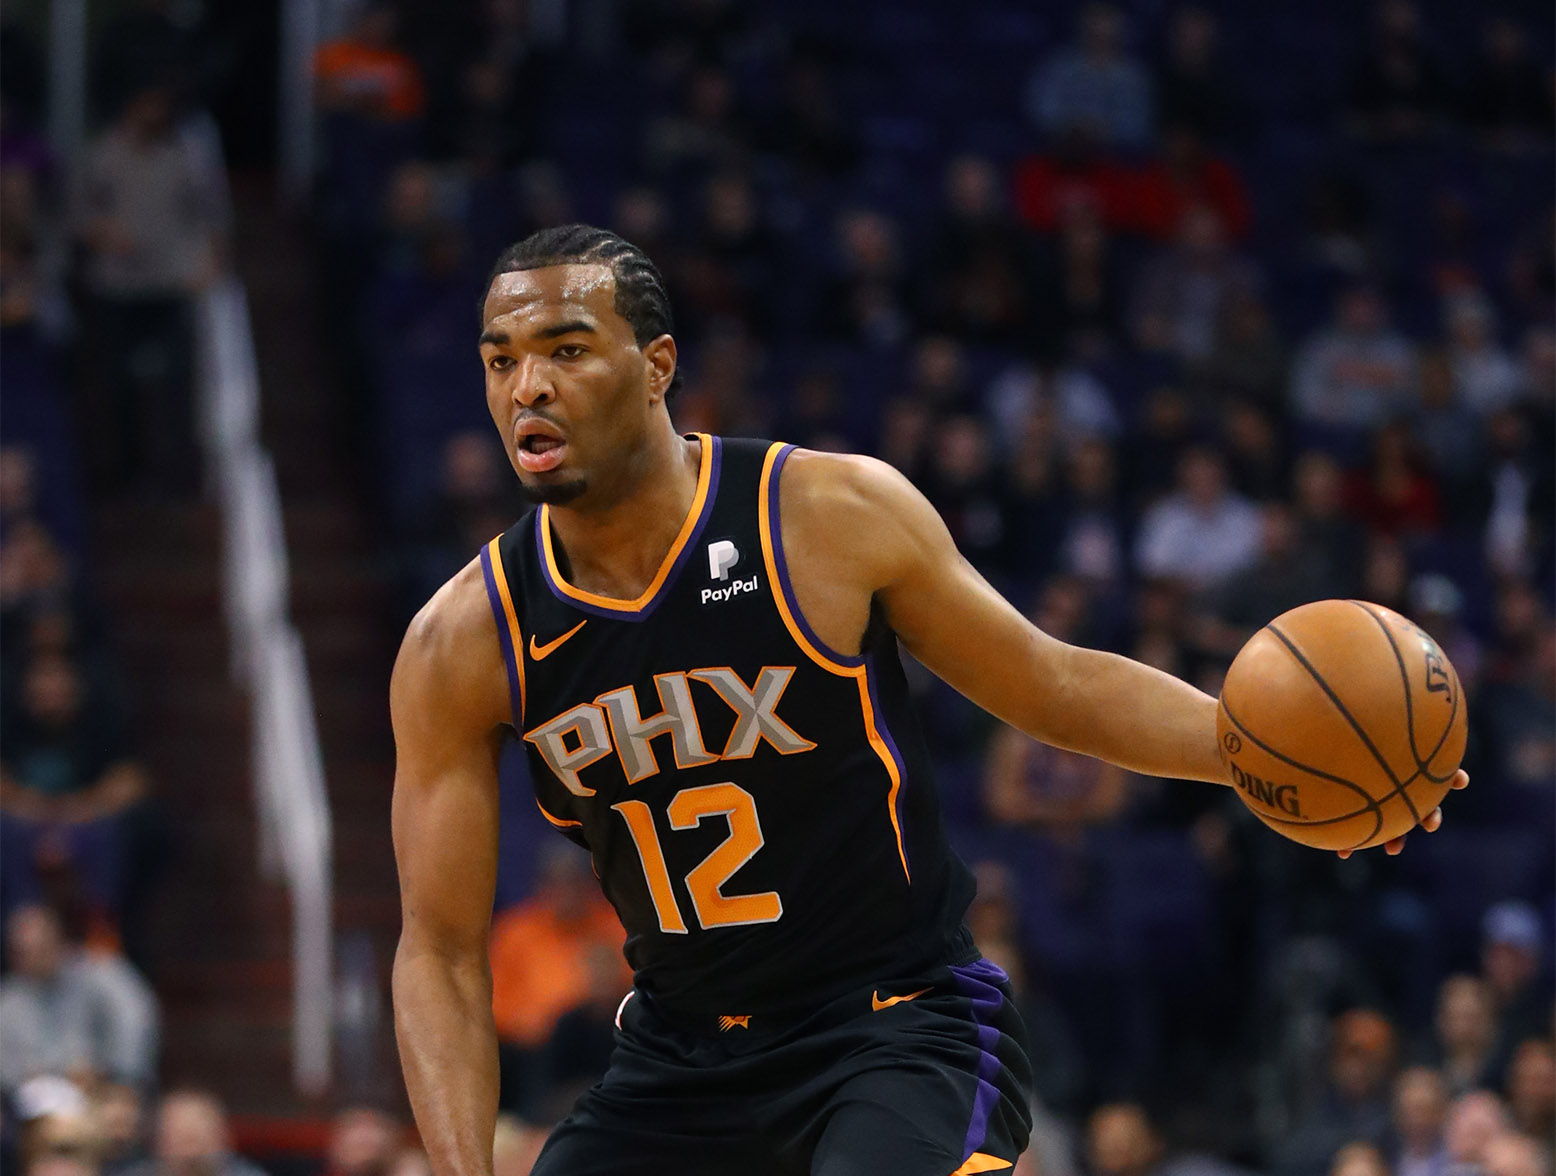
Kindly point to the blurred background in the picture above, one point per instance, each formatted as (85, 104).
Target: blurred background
(1182, 314)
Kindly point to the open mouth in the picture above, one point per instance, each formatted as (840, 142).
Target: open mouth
(538, 452)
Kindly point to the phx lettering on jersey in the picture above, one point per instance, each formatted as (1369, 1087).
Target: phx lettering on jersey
(613, 722)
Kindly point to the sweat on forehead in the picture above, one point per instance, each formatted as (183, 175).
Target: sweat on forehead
(576, 284)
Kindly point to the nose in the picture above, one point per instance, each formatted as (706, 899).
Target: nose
(533, 385)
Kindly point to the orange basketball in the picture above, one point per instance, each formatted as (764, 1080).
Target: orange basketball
(1343, 724)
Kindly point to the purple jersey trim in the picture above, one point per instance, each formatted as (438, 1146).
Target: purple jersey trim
(784, 586)
(509, 654)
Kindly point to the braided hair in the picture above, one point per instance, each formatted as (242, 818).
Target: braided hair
(641, 297)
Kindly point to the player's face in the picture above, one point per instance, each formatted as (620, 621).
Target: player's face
(570, 390)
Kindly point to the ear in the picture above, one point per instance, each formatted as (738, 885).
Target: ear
(660, 356)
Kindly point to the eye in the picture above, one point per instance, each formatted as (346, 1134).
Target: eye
(499, 363)
(569, 351)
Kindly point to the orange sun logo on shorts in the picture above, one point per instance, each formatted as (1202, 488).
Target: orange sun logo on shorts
(728, 1023)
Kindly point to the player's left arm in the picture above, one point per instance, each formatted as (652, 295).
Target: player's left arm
(885, 540)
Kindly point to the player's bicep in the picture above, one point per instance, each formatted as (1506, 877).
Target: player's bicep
(950, 618)
(444, 814)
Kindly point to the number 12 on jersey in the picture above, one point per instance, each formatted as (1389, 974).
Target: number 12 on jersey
(688, 809)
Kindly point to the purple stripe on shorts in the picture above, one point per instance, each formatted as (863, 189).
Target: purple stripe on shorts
(978, 981)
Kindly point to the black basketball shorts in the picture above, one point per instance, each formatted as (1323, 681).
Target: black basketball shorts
(925, 1075)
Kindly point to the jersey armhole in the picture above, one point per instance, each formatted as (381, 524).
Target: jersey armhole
(508, 635)
(771, 529)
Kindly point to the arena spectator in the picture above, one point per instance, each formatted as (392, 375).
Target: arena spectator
(1256, 456)
(1508, 99)
(1474, 1120)
(1120, 1141)
(516, 1146)
(1354, 1105)
(1248, 359)
(1465, 1032)
(1446, 433)
(1192, 86)
(1531, 1088)
(192, 1139)
(66, 1011)
(1399, 90)
(541, 951)
(975, 276)
(67, 785)
(148, 211)
(1094, 85)
(1095, 542)
(1511, 1154)
(1073, 177)
(1393, 496)
(807, 125)
(55, 1130)
(1328, 534)
(1356, 374)
(120, 1116)
(1359, 1159)
(364, 1141)
(867, 301)
(961, 481)
(1511, 951)
(1417, 1147)
(1179, 296)
(365, 74)
(707, 132)
(1281, 578)
(1202, 533)
(1517, 724)
(1484, 375)
(1079, 299)
(1185, 177)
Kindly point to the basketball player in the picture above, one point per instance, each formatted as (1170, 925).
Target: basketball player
(696, 639)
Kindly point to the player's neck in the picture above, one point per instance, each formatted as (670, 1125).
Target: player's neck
(615, 549)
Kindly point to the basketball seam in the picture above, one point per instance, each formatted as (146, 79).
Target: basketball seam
(1399, 788)
(1371, 804)
(1422, 765)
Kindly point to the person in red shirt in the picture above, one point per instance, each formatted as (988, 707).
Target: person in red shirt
(1185, 177)
(1074, 177)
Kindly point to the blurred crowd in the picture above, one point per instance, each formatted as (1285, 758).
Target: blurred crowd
(1181, 315)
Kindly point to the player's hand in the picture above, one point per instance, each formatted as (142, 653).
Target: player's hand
(1430, 822)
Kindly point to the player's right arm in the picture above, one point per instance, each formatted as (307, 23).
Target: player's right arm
(448, 701)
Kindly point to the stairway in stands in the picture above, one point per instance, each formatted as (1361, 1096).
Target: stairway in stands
(221, 933)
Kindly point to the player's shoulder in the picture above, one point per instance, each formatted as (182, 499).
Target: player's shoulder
(841, 487)
(451, 652)
(852, 512)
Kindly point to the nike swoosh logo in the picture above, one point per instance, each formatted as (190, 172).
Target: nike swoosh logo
(877, 1004)
(542, 652)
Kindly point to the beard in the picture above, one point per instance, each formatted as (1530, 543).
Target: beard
(554, 493)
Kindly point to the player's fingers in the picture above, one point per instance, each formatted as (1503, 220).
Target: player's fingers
(1432, 820)
(1393, 848)
(1343, 853)
(1461, 779)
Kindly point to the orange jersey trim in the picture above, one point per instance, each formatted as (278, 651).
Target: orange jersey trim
(500, 577)
(704, 477)
(860, 673)
(557, 821)
(982, 1162)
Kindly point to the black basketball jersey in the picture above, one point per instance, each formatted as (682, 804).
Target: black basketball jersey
(758, 807)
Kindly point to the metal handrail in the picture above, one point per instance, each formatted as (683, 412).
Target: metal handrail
(267, 658)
